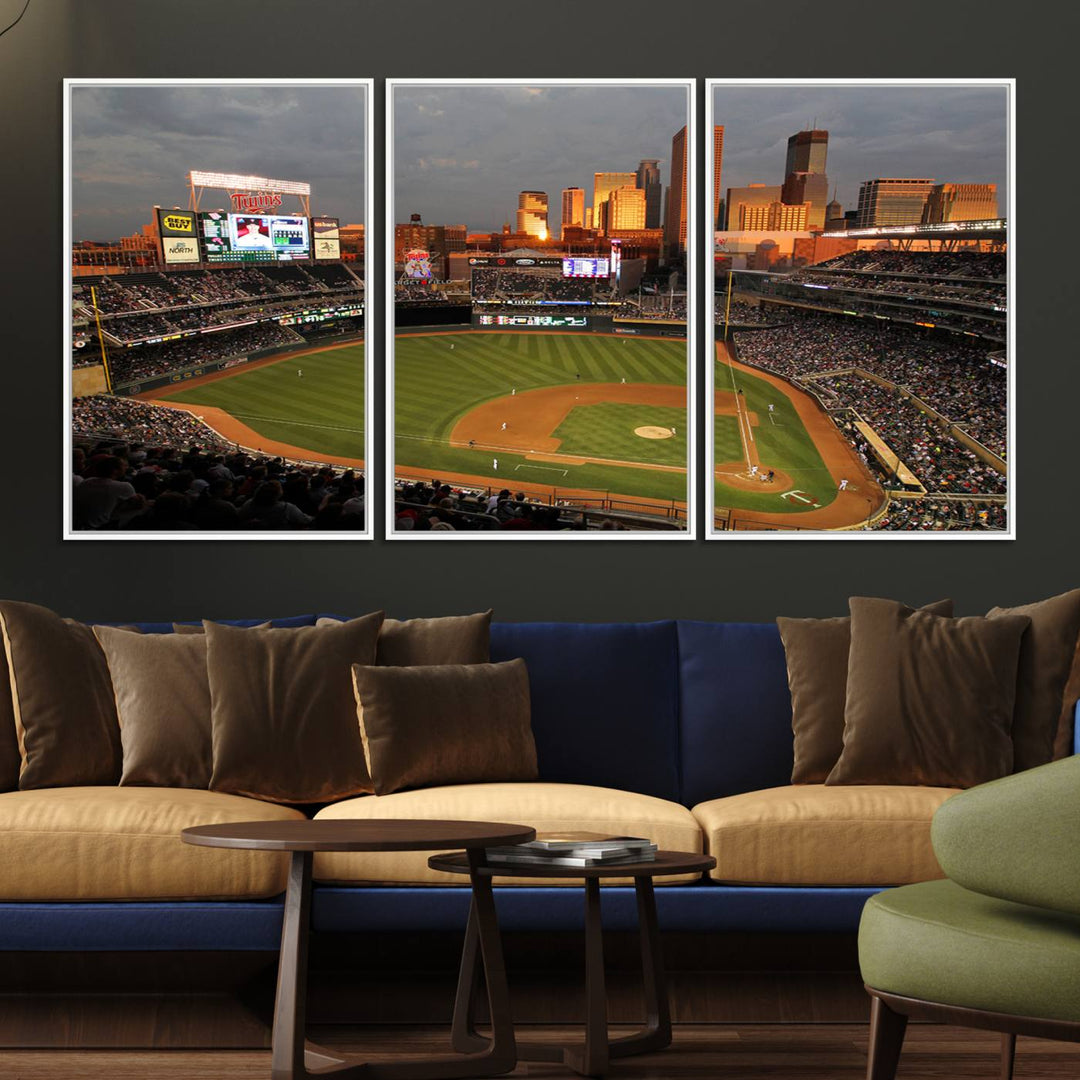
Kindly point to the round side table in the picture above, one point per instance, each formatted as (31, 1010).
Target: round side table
(291, 1057)
(593, 1056)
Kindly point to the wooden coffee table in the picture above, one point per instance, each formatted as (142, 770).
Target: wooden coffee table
(591, 1058)
(291, 1057)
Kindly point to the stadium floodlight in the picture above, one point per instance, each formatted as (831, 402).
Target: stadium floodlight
(230, 181)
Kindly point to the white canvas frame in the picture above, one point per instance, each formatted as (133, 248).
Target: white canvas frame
(370, 460)
(711, 532)
(692, 274)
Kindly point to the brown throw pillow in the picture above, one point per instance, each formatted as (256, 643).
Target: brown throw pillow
(197, 628)
(454, 639)
(163, 702)
(282, 710)
(817, 662)
(445, 724)
(1046, 657)
(62, 697)
(929, 700)
(9, 739)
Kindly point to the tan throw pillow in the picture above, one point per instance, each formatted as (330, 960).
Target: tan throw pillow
(163, 703)
(454, 639)
(282, 710)
(817, 661)
(197, 628)
(929, 700)
(446, 724)
(62, 697)
(1046, 657)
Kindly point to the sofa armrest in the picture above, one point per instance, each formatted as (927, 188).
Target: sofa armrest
(1017, 838)
(1076, 729)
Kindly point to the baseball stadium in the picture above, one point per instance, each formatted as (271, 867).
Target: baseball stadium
(868, 391)
(545, 391)
(219, 368)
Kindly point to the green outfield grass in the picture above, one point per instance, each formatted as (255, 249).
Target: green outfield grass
(607, 430)
(323, 411)
(435, 385)
(782, 443)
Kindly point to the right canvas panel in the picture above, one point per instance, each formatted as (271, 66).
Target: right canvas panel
(863, 362)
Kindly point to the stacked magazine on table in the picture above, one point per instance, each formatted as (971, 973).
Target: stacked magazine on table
(575, 849)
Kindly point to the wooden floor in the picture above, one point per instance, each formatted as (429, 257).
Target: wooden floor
(725, 1052)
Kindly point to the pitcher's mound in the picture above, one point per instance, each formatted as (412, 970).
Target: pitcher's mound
(650, 431)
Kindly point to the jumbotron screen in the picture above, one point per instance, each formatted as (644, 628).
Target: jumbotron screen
(586, 268)
(234, 238)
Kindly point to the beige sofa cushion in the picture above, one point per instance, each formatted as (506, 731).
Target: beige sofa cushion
(810, 834)
(123, 843)
(546, 807)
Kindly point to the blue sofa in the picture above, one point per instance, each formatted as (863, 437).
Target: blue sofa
(685, 712)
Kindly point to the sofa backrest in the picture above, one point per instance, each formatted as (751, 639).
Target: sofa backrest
(605, 701)
(735, 710)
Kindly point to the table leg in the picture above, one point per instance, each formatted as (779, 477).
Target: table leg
(657, 1031)
(463, 1034)
(290, 1012)
(294, 1059)
(592, 1059)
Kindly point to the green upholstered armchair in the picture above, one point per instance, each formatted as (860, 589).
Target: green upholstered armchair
(997, 944)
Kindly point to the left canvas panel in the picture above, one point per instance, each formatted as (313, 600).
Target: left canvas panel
(215, 376)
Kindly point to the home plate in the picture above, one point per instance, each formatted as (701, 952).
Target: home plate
(650, 431)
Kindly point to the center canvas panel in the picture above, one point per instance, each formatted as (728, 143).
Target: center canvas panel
(541, 249)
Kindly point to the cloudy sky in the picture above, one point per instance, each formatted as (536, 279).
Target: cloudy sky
(462, 153)
(953, 134)
(133, 146)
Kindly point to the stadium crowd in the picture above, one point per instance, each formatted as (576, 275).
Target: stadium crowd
(146, 467)
(941, 515)
(953, 377)
(940, 463)
(437, 507)
(964, 264)
(492, 285)
(149, 361)
(139, 293)
(744, 314)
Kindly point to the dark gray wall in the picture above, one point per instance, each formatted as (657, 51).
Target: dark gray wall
(747, 580)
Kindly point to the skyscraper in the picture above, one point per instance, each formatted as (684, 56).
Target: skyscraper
(604, 183)
(754, 195)
(892, 201)
(675, 224)
(626, 209)
(718, 161)
(961, 202)
(648, 179)
(806, 152)
(573, 207)
(532, 214)
(804, 174)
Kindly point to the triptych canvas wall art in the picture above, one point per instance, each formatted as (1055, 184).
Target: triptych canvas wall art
(550, 299)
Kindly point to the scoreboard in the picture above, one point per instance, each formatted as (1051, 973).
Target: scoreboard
(586, 268)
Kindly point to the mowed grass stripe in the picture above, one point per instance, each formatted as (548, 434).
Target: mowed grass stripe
(323, 411)
(433, 392)
(608, 430)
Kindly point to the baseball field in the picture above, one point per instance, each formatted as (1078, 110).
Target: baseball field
(307, 405)
(543, 411)
(779, 459)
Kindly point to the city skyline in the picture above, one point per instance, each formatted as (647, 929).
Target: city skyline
(954, 134)
(462, 154)
(133, 146)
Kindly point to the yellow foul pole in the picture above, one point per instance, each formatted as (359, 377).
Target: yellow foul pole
(101, 340)
(727, 305)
